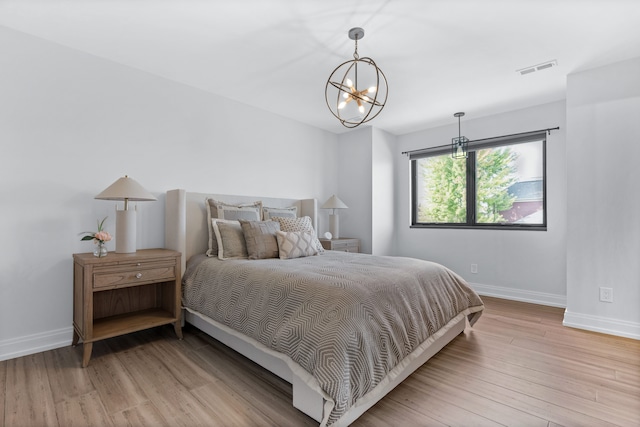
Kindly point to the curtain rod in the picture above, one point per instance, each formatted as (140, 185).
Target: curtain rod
(548, 130)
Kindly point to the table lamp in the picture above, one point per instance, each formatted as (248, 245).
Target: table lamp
(334, 225)
(125, 189)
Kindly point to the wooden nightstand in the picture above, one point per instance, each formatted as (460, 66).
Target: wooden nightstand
(344, 244)
(122, 293)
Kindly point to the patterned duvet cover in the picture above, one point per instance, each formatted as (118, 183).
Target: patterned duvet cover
(347, 319)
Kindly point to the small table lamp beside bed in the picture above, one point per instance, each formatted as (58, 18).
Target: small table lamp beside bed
(343, 328)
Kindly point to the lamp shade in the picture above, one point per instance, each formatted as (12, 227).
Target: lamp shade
(334, 203)
(126, 188)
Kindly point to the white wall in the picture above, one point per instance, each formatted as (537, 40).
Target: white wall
(354, 185)
(72, 123)
(521, 265)
(603, 244)
(383, 203)
(366, 185)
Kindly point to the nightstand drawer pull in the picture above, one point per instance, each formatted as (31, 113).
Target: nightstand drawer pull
(139, 275)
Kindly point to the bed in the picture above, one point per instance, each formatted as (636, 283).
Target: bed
(342, 328)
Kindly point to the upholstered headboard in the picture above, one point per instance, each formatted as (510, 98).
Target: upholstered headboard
(186, 228)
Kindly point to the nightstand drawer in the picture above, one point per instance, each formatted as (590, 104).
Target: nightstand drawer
(344, 246)
(133, 277)
(341, 244)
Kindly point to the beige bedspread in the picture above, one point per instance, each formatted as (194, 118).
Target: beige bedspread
(347, 319)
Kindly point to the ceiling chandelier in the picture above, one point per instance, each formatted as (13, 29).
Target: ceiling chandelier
(357, 89)
(460, 144)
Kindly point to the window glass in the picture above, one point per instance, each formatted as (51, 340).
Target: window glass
(443, 193)
(500, 184)
(509, 184)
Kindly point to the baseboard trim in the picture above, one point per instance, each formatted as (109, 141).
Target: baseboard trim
(36, 343)
(533, 297)
(605, 325)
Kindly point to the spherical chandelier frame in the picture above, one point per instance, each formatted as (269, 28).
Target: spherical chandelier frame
(344, 81)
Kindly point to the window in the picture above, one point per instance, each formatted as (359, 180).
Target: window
(501, 184)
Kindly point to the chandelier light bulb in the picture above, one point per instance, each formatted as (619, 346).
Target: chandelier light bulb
(341, 105)
(372, 89)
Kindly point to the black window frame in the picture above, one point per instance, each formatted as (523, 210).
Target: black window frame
(471, 184)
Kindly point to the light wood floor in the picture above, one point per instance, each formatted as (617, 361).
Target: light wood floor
(518, 366)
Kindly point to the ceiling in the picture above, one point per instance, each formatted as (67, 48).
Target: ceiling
(439, 56)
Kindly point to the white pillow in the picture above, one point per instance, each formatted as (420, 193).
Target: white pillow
(299, 224)
(230, 239)
(295, 244)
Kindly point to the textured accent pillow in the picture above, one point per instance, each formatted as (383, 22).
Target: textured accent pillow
(295, 244)
(260, 237)
(253, 211)
(230, 239)
(290, 212)
(299, 224)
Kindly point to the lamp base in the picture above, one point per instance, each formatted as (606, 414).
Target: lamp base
(334, 226)
(125, 231)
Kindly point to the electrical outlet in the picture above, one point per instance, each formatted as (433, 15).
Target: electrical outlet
(474, 268)
(606, 294)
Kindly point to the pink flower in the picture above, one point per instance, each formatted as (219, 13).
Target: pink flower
(99, 236)
(103, 236)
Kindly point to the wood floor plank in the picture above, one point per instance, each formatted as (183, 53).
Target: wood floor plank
(388, 412)
(29, 400)
(231, 409)
(590, 343)
(536, 360)
(270, 395)
(512, 327)
(601, 376)
(542, 392)
(630, 377)
(500, 413)
(464, 358)
(622, 402)
(116, 387)
(3, 389)
(65, 379)
(559, 350)
(144, 414)
(174, 355)
(83, 411)
(173, 400)
(424, 400)
(523, 402)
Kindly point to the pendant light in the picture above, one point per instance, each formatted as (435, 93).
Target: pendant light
(356, 90)
(459, 145)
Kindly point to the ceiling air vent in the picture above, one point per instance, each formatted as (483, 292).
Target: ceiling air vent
(539, 67)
